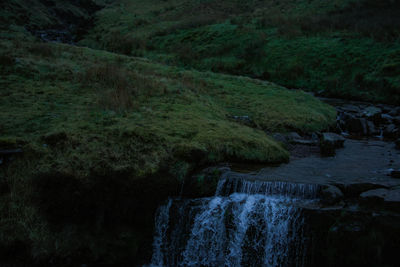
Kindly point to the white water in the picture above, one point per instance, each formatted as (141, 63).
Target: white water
(247, 223)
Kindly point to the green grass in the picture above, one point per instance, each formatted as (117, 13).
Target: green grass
(56, 92)
(348, 49)
(107, 137)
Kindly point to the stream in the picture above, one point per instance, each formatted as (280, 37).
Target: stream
(246, 223)
(342, 210)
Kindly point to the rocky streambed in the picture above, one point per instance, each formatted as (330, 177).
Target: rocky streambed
(337, 203)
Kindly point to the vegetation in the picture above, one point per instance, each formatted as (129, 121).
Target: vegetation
(112, 126)
(106, 137)
(341, 48)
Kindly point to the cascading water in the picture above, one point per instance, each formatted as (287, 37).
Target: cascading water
(247, 223)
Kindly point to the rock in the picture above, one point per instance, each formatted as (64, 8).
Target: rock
(293, 136)
(388, 198)
(304, 142)
(385, 108)
(395, 174)
(329, 142)
(396, 120)
(245, 120)
(331, 195)
(372, 130)
(327, 149)
(351, 108)
(344, 116)
(397, 143)
(315, 136)
(386, 118)
(353, 190)
(395, 112)
(391, 131)
(356, 125)
(373, 113)
(279, 137)
(336, 139)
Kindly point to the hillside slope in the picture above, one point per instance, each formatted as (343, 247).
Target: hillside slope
(340, 48)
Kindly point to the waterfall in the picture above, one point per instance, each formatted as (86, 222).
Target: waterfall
(246, 223)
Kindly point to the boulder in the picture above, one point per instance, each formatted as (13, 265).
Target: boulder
(329, 142)
(373, 113)
(337, 140)
(331, 195)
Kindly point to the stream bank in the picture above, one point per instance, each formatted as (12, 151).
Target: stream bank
(353, 220)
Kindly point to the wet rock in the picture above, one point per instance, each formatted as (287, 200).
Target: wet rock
(372, 130)
(391, 131)
(351, 108)
(397, 143)
(395, 112)
(293, 136)
(304, 142)
(279, 137)
(204, 183)
(388, 198)
(356, 125)
(315, 136)
(373, 113)
(396, 120)
(353, 190)
(331, 195)
(395, 174)
(386, 118)
(329, 142)
(337, 140)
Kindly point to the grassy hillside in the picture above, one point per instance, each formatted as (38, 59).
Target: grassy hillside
(105, 137)
(339, 48)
